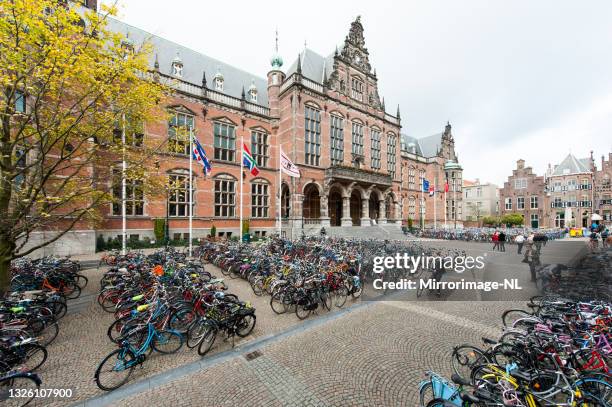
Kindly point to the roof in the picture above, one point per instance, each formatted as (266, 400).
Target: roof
(313, 65)
(194, 63)
(572, 165)
(424, 146)
(468, 183)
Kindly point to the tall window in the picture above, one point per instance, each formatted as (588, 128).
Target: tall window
(534, 202)
(337, 140)
(520, 183)
(412, 208)
(421, 178)
(225, 141)
(134, 195)
(180, 128)
(357, 133)
(508, 204)
(259, 199)
(411, 178)
(571, 184)
(357, 89)
(535, 222)
(259, 148)
(134, 133)
(391, 154)
(375, 145)
(225, 196)
(312, 136)
(178, 197)
(20, 105)
(520, 202)
(20, 166)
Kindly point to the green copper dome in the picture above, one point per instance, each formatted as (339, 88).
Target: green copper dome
(276, 61)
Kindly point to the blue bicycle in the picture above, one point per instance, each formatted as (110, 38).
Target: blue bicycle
(116, 368)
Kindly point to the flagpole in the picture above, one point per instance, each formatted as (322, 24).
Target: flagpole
(190, 190)
(435, 206)
(123, 190)
(422, 203)
(445, 204)
(241, 181)
(280, 196)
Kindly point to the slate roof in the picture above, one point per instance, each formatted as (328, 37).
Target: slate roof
(424, 146)
(571, 165)
(194, 63)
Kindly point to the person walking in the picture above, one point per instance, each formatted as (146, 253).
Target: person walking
(495, 239)
(528, 247)
(520, 240)
(502, 241)
(605, 235)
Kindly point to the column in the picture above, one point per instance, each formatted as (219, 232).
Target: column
(324, 199)
(296, 212)
(346, 212)
(382, 212)
(365, 212)
(398, 214)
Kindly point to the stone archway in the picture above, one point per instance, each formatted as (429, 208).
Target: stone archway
(312, 202)
(374, 206)
(389, 208)
(335, 207)
(285, 202)
(355, 208)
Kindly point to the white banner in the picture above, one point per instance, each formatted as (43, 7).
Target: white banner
(288, 167)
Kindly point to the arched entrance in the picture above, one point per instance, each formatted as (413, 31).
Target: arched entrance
(285, 202)
(374, 207)
(356, 208)
(312, 202)
(335, 208)
(389, 208)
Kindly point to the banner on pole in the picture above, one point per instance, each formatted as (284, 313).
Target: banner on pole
(248, 161)
(289, 167)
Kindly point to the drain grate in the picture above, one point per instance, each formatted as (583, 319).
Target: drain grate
(253, 355)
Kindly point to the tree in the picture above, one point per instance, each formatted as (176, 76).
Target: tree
(70, 91)
(512, 219)
(476, 209)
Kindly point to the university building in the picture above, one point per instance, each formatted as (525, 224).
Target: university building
(324, 111)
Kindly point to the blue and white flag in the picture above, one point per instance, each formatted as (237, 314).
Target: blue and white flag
(425, 185)
(200, 156)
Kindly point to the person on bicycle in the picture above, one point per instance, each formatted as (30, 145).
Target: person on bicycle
(605, 234)
(594, 241)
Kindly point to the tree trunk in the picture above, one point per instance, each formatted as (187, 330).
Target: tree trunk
(6, 252)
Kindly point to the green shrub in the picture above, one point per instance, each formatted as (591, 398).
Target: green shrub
(213, 231)
(245, 226)
(100, 244)
(409, 223)
(159, 228)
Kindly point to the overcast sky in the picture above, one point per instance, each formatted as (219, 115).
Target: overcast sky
(517, 79)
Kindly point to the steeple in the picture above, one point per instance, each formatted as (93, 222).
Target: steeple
(242, 95)
(299, 64)
(383, 104)
(156, 63)
(204, 79)
(398, 112)
(276, 61)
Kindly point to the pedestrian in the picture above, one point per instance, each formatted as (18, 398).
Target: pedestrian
(528, 246)
(502, 241)
(537, 240)
(594, 241)
(520, 240)
(495, 239)
(605, 235)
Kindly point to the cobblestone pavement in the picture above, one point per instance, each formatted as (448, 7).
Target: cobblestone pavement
(375, 355)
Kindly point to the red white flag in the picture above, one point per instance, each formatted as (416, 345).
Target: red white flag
(288, 167)
(446, 187)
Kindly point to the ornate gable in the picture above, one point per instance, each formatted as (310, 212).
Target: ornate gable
(354, 51)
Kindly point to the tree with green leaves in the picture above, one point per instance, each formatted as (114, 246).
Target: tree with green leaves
(70, 91)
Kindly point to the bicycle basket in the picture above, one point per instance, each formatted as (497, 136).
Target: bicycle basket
(444, 390)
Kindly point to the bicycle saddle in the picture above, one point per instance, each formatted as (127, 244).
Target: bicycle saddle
(469, 397)
(489, 341)
(460, 380)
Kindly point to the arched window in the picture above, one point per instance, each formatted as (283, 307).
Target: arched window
(337, 139)
(134, 195)
(225, 141)
(178, 193)
(375, 147)
(312, 135)
(411, 178)
(285, 201)
(259, 198)
(357, 138)
(357, 89)
(180, 127)
(412, 208)
(259, 147)
(225, 196)
(391, 154)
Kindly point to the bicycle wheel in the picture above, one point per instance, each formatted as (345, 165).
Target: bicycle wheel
(302, 309)
(22, 382)
(326, 301)
(48, 333)
(115, 330)
(440, 403)
(208, 339)
(426, 394)
(340, 296)
(32, 355)
(245, 325)
(167, 342)
(181, 320)
(115, 369)
(597, 391)
(196, 332)
(277, 303)
(510, 316)
(465, 357)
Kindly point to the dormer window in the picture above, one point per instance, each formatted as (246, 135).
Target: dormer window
(357, 89)
(177, 66)
(253, 92)
(218, 81)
